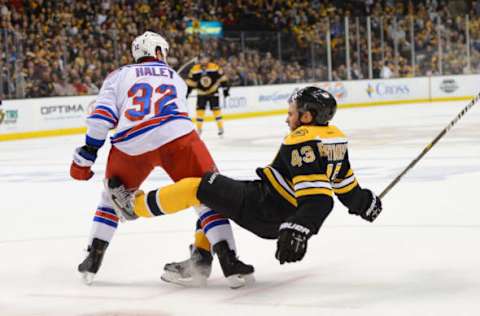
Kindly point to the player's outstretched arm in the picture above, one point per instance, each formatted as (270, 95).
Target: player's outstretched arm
(359, 201)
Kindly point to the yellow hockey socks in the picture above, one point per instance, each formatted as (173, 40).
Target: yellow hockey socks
(199, 119)
(219, 119)
(201, 240)
(169, 199)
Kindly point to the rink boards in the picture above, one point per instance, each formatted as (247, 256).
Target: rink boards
(39, 117)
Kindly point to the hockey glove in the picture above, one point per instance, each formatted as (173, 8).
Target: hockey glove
(292, 242)
(226, 92)
(83, 159)
(372, 209)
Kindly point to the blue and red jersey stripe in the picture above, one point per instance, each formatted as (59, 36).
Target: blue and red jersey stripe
(147, 126)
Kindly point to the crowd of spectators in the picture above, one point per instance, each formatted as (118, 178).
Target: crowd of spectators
(67, 47)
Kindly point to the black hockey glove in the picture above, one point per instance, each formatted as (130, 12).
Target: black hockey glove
(226, 92)
(292, 242)
(372, 209)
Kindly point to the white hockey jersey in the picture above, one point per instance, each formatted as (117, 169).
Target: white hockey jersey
(147, 105)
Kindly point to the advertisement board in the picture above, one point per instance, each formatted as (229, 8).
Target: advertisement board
(43, 114)
(15, 118)
(455, 86)
(386, 91)
(36, 117)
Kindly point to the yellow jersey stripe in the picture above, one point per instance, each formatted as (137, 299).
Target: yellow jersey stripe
(313, 191)
(343, 183)
(310, 178)
(347, 188)
(316, 184)
(329, 134)
(282, 181)
(278, 187)
(349, 174)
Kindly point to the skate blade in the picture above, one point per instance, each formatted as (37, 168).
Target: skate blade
(175, 278)
(87, 278)
(237, 281)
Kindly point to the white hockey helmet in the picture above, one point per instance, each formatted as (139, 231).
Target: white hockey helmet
(146, 45)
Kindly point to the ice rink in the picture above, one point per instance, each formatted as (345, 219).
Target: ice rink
(421, 257)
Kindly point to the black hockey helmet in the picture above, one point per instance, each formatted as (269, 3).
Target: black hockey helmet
(317, 101)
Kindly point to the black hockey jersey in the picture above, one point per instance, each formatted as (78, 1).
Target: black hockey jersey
(207, 80)
(311, 165)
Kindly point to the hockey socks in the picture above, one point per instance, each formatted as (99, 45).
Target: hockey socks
(218, 118)
(169, 199)
(105, 221)
(199, 119)
(181, 195)
(216, 227)
(201, 240)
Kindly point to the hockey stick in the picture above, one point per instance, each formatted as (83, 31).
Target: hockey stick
(430, 145)
(193, 60)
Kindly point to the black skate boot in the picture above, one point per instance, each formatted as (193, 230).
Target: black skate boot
(238, 274)
(89, 267)
(192, 272)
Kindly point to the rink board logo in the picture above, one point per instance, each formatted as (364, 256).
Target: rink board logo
(8, 116)
(277, 96)
(57, 112)
(384, 90)
(235, 102)
(448, 85)
(337, 89)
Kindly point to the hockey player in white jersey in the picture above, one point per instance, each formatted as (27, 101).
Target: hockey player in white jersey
(146, 103)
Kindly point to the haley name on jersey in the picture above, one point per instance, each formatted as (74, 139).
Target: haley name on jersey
(311, 165)
(146, 104)
(207, 79)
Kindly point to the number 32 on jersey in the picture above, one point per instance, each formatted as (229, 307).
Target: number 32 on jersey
(143, 94)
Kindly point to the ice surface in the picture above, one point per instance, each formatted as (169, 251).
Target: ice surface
(421, 257)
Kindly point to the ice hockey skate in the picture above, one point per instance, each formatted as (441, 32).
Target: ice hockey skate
(91, 264)
(237, 273)
(196, 270)
(192, 272)
(122, 199)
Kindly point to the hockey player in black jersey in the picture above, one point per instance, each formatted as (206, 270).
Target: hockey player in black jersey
(208, 77)
(293, 196)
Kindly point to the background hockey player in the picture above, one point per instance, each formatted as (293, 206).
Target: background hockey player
(207, 77)
(146, 103)
(293, 197)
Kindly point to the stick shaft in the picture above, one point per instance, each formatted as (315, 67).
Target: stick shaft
(193, 60)
(430, 145)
